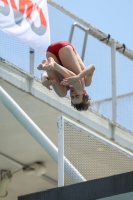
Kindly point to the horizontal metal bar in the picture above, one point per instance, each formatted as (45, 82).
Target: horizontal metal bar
(109, 99)
(80, 27)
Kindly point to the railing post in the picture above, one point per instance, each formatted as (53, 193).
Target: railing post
(85, 42)
(86, 30)
(60, 151)
(98, 107)
(113, 67)
(113, 72)
(32, 61)
(71, 32)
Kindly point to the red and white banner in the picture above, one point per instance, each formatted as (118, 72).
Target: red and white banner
(27, 20)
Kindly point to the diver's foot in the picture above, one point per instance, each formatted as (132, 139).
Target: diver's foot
(47, 64)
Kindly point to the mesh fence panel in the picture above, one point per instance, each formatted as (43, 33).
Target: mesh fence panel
(38, 59)
(60, 24)
(14, 51)
(91, 156)
(100, 55)
(125, 112)
(105, 108)
(124, 71)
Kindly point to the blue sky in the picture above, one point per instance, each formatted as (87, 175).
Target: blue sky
(111, 17)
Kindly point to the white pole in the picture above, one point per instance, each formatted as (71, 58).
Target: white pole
(60, 151)
(113, 67)
(32, 61)
(114, 97)
(37, 134)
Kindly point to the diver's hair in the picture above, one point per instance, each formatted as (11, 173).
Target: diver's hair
(84, 105)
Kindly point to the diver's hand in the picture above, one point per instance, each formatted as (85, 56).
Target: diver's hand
(47, 82)
(71, 81)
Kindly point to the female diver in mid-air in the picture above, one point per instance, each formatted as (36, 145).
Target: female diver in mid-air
(66, 71)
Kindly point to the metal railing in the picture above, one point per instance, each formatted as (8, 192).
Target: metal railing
(99, 102)
(86, 30)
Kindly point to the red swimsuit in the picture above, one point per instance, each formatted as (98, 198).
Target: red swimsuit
(56, 46)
